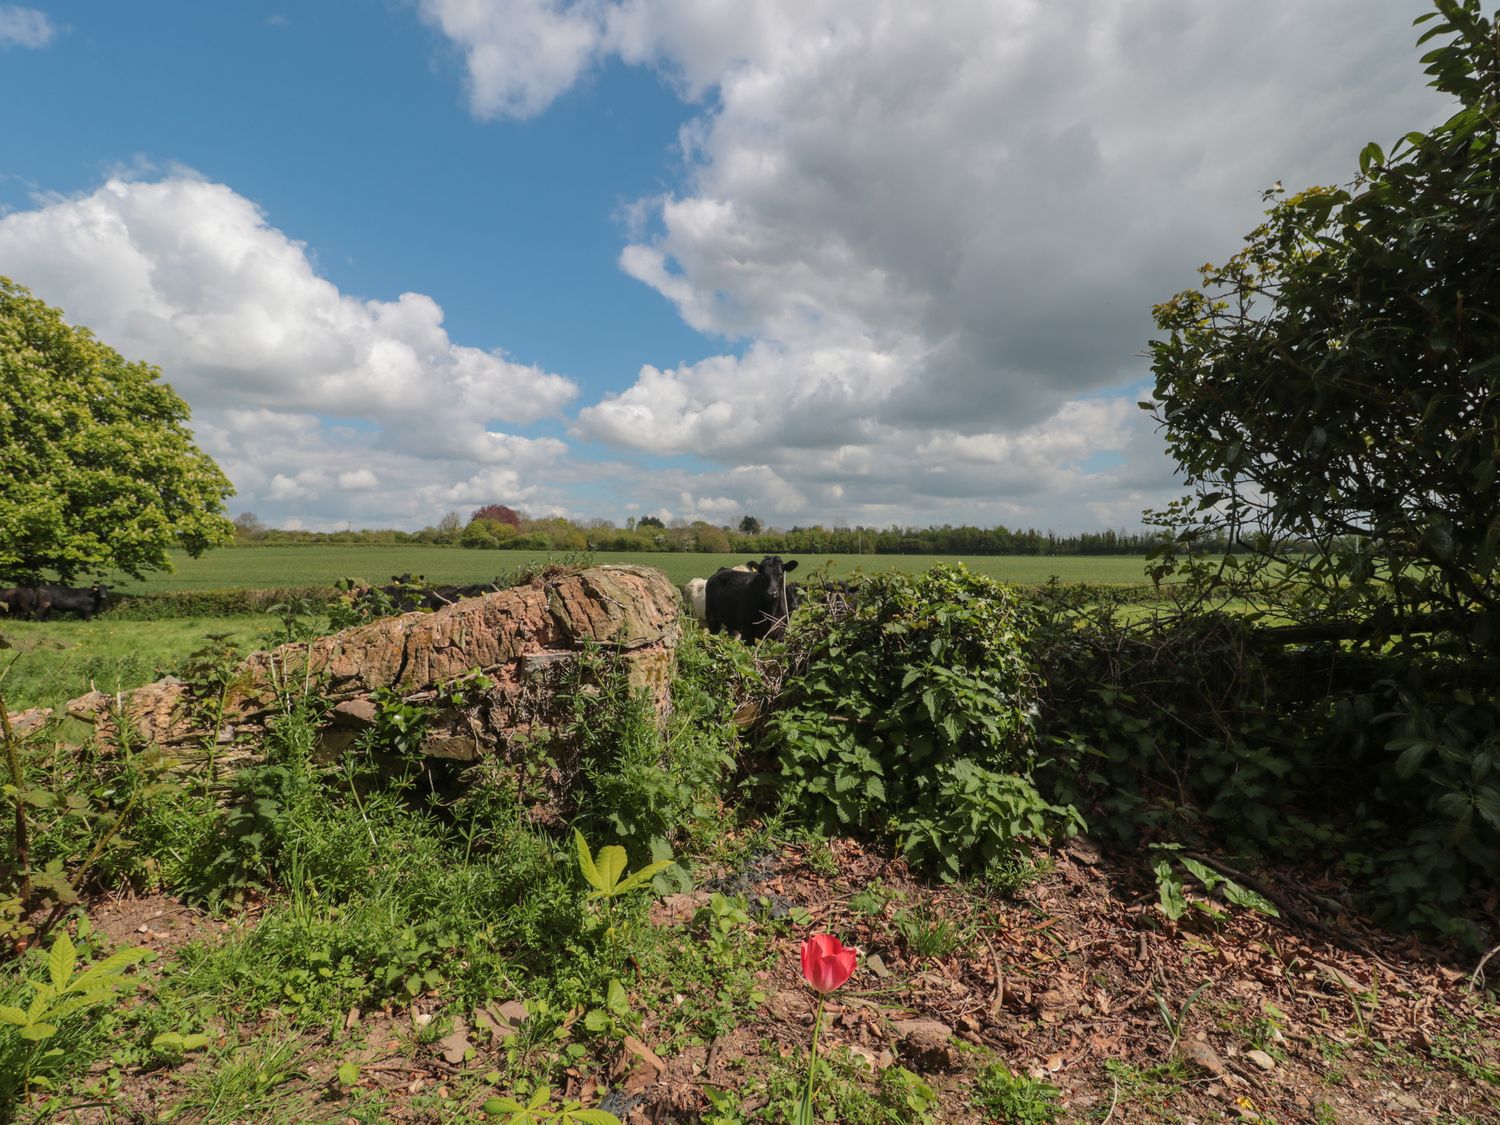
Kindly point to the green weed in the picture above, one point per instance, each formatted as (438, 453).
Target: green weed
(1015, 1099)
(927, 933)
(246, 1083)
(37, 1014)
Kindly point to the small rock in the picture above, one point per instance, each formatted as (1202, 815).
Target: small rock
(462, 748)
(1261, 1059)
(1201, 1055)
(356, 713)
(928, 1043)
(789, 1005)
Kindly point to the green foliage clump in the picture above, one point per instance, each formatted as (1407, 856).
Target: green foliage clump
(910, 715)
(637, 782)
(406, 878)
(1192, 727)
(1016, 1099)
(1331, 394)
(97, 467)
(41, 1016)
(71, 811)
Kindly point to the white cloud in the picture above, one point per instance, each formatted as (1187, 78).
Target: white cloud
(314, 401)
(190, 274)
(520, 54)
(938, 229)
(358, 479)
(24, 27)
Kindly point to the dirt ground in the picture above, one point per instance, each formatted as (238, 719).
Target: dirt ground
(1077, 979)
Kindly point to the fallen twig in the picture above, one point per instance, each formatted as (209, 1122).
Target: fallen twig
(1476, 981)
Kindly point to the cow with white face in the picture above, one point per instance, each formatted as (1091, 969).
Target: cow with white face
(751, 601)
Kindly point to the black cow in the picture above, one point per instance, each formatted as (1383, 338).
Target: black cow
(751, 603)
(39, 601)
(19, 601)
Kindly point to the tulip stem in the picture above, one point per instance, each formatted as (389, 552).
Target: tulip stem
(812, 1062)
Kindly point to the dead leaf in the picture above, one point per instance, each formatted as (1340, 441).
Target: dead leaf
(1341, 978)
(455, 1046)
(501, 1020)
(635, 1048)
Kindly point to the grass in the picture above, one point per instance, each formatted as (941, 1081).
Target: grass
(60, 660)
(269, 567)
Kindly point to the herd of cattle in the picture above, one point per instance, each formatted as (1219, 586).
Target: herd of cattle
(40, 602)
(754, 600)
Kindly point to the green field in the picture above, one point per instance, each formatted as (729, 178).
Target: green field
(63, 659)
(267, 567)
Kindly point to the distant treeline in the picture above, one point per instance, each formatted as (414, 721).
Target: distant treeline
(556, 534)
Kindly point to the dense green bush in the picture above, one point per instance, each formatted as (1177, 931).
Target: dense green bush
(909, 715)
(1201, 728)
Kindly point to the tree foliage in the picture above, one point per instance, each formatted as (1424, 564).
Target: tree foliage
(1332, 395)
(497, 513)
(1330, 392)
(98, 469)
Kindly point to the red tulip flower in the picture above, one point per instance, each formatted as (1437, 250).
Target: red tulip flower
(826, 964)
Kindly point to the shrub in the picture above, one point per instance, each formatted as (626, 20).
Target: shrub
(1197, 727)
(910, 716)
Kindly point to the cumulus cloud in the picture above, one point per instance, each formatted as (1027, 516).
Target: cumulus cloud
(941, 227)
(310, 398)
(358, 479)
(520, 54)
(24, 27)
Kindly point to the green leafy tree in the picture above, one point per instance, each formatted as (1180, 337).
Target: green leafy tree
(1330, 392)
(749, 525)
(98, 469)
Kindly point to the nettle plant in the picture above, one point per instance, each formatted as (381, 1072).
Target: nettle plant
(910, 715)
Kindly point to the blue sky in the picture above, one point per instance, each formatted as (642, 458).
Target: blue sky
(834, 260)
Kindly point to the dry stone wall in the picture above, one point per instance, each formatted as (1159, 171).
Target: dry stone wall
(517, 640)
